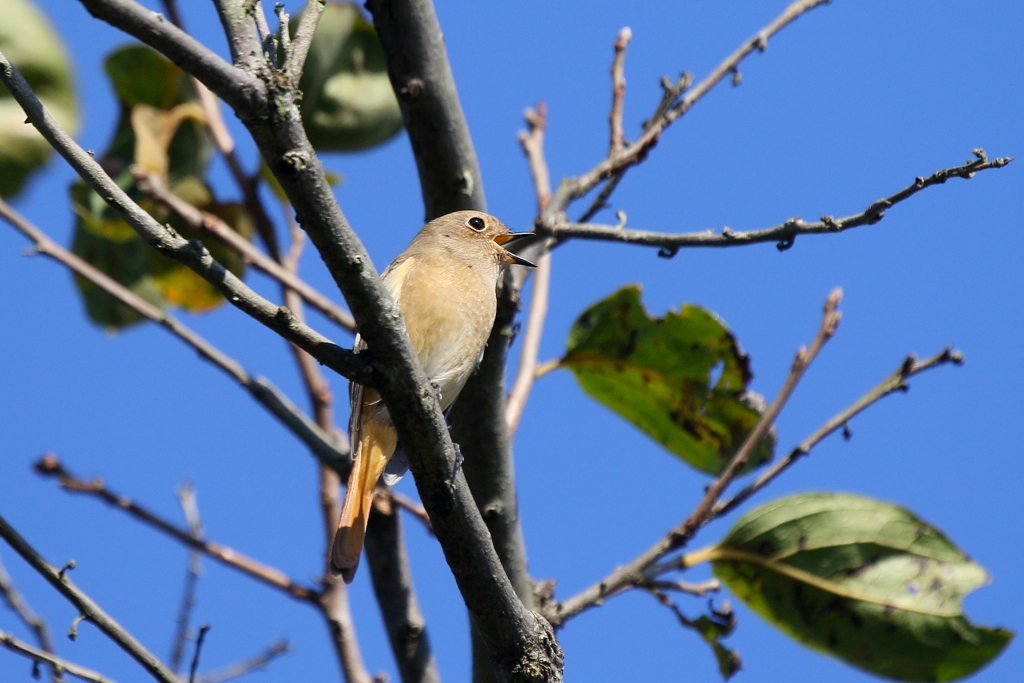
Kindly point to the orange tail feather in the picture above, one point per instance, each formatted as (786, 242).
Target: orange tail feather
(377, 444)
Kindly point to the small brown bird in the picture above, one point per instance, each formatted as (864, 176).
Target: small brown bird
(444, 283)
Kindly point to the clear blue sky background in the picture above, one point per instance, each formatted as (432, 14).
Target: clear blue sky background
(847, 105)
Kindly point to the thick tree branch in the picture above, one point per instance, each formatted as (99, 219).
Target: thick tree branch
(897, 381)
(393, 586)
(50, 466)
(521, 645)
(259, 388)
(635, 572)
(238, 18)
(244, 92)
(86, 607)
(47, 657)
(422, 79)
(191, 253)
(784, 233)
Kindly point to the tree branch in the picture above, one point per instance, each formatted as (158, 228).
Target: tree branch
(303, 38)
(422, 80)
(187, 498)
(897, 381)
(16, 602)
(571, 189)
(635, 572)
(86, 607)
(244, 92)
(50, 466)
(259, 388)
(238, 21)
(618, 91)
(396, 594)
(55, 662)
(519, 643)
(191, 253)
(532, 142)
(784, 233)
(209, 223)
(256, 663)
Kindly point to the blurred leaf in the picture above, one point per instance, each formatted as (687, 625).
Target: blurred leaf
(657, 373)
(347, 100)
(162, 129)
(28, 40)
(862, 580)
(712, 628)
(154, 129)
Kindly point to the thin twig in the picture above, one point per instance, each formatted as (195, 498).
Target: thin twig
(296, 54)
(413, 508)
(618, 90)
(50, 466)
(190, 253)
(55, 662)
(207, 222)
(635, 572)
(699, 589)
(261, 389)
(783, 234)
(16, 602)
(532, 142)
(203, 630)
(897, 381)
(125, 640)
(256, 663)
(571, 189)
(187, 498)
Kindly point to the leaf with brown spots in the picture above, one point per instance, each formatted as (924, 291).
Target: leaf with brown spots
(659, 373)
(862, 580)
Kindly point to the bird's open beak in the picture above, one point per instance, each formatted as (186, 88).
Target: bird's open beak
(509, 257)
(512, 237)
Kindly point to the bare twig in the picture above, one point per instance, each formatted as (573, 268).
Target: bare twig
(784, 233)
(256, 663)
(261, 389)
(187, 498)
(532, 142)
(635, 572)
(296, 55)
(16, 602)
(47, 657)
(86, 606)
(203, 221)
(203, 630)
(412, 507)
(618, 90)
(571, 189)
(699, 589)
(192, 254)
(50, 466)
(897, 381)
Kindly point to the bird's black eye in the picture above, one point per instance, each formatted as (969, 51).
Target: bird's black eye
(476, 223)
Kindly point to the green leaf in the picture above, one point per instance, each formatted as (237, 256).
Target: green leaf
(161, 128)
(862, 580)
(110, 244)
(657, 373)
(347, 100)
(28, 40)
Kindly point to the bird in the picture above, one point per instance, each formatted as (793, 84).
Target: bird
(445, 285)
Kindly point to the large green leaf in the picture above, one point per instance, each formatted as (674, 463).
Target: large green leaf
(161, 129)
(347, 100)
(28, 40)
(658, 374)
(862, 580)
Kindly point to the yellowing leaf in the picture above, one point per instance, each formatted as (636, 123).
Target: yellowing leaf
(154, 129)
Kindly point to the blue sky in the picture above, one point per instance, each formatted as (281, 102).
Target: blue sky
(847, 105)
